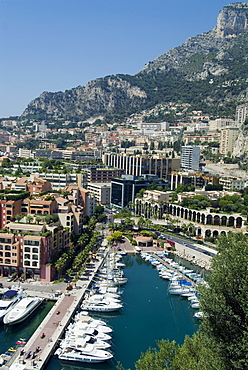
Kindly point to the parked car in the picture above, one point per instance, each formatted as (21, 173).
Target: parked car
(10, 278)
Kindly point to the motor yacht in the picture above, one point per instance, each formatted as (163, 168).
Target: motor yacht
(9, 300)
(23, 309)
(88, 353)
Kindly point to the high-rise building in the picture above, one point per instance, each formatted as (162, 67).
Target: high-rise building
(190, 157)
(228, 137)
(241, 114)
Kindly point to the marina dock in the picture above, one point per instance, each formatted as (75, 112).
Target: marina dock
(50, 331)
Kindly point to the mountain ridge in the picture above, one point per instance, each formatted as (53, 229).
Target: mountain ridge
(203, 70)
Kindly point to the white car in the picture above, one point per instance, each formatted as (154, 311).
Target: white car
(10, 278)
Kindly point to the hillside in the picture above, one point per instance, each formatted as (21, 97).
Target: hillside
(210, 71)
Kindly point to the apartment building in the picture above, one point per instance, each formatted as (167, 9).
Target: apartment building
(60, 180)
(241, 114)
(139, 165)
(101, 192)
(232, 184)
(99, 174)
(82, 197)
(190, 157)
(228, 137)
(8, 210)
(29, 248)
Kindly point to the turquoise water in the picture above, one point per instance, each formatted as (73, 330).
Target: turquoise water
(149, 314)
(9, 335)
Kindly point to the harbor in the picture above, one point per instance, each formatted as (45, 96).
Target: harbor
(41, 346)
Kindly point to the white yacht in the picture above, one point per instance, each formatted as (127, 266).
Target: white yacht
(87, 319)
(77, 342)
(87, 353)
(9, 300)
(79, 332)
(104, 306)
(22, 310)
(85, 325)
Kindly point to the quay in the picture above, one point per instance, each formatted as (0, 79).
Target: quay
(52, 328)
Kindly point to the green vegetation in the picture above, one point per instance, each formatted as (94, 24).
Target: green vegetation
(8, 194)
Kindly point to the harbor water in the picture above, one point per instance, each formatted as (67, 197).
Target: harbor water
(9, 335)
(149, 314)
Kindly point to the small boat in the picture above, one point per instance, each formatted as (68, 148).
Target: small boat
(199, 315)
(21, 341)
(22, 310)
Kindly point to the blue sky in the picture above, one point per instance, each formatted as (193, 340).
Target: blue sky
(54, 45)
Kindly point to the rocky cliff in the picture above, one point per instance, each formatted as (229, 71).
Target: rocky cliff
(210, 70)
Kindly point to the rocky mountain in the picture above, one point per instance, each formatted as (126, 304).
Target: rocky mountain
(210, 71)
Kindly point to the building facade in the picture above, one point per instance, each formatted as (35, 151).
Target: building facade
(190, 157)
(139, 165)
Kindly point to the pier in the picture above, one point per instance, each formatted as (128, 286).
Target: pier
(185, 277)
(52, 328)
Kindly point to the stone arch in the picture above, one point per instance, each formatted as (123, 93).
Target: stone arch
(215, 233)
(174, 210)
(203, 217)
(216, 220)
(186, 214)
(239, 222)
(198, 217)
(223, 221)
(178, 211)
(182, 212)
(194, 216)
(207, 233)
(190, 215)
(231, 221)
(222, 232)
(209, 220)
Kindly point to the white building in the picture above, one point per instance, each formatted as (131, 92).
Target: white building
(101, 192)
(241, 114)
(228, 137)
(190, 157)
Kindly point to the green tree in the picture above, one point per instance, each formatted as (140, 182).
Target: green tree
(224, 301)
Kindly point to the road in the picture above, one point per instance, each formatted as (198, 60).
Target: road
(191, 244)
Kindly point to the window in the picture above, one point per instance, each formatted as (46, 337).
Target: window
(35, 250)
(8, 212)
(7, 254)
(27, 256)
(7, 247)
(26, 263)
(27, 249)
(35, 257)
(7, 261)
(34, 264)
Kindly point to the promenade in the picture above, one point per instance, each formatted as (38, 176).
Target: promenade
(47, 335)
